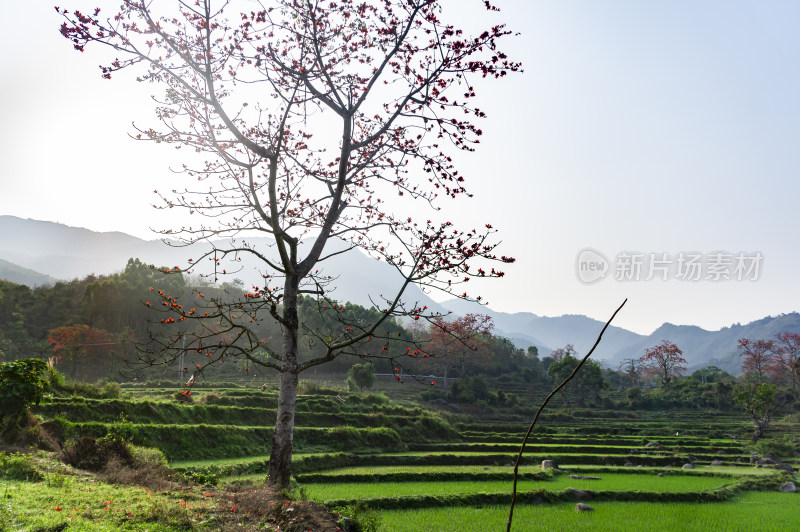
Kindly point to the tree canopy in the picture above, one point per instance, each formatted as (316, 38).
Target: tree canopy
(309, 116)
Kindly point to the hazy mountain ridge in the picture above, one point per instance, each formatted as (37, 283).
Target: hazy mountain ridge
(19, 275)
(50, 248)
(42, 249)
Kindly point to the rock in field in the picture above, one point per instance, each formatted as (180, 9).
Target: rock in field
(688, 466)
(583, 477)
(789, 487)
(716, 463)
(580, 507)
(581, 495)
(546, 464)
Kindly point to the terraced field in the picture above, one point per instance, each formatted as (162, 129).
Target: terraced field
(425, 470)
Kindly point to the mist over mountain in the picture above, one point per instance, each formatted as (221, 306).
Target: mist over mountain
(34, 252)
(19, 275)
(65, 252)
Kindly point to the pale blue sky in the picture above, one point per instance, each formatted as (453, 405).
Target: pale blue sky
(637, 126)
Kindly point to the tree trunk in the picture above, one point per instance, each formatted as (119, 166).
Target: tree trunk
(761, 426)
(757, 433)
(280, 458)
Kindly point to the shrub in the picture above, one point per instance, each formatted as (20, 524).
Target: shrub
(92, 454)
(784, 447)
(148, 457)
(362, 518)
(22, 384)
(184, 396)
(17, 466)
(363, 375)
(211, 398)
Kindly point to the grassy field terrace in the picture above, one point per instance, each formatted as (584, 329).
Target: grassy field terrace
(428, 468)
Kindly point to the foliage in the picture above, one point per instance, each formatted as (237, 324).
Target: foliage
(758, 357)
(80, 343)
(16, 466)
(787, 359)
(363, 375)
(362, 518)
(587, 383)
(758, 401)
(785, 446)
(664, 361)
(22, 383)
(566, 351)
(457, 344)
(93, 454)
(632, 370)
(351, 109)
(711, 374)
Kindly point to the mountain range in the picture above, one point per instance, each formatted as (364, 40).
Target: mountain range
(34, 253)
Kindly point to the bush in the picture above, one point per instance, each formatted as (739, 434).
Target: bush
(22, 384)
(107, 390)
(92, 454)
(17, 466)
(148, 457)
(184, 396)
(362, 518)
(784, 447)
(211, 398)
(363, 375)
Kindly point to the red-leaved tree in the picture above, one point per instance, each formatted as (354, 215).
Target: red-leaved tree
(81, 345)
(665, 361)
(562, 352)
(308, 117)
(758, 358)
(457, 342)
(786, 365)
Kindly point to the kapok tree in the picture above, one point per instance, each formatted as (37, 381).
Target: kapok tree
(455, 342)
(632, 369)
(758, 358)
(562, 352)
(308, 116)
(76, 344)
(665, 361)
(786, 365)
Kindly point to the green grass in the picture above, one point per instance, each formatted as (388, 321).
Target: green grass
(182, 464)
(477, 469)
(568, 470)
(609, 482)
(737, 471)
(86, 504)
(750, 511)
